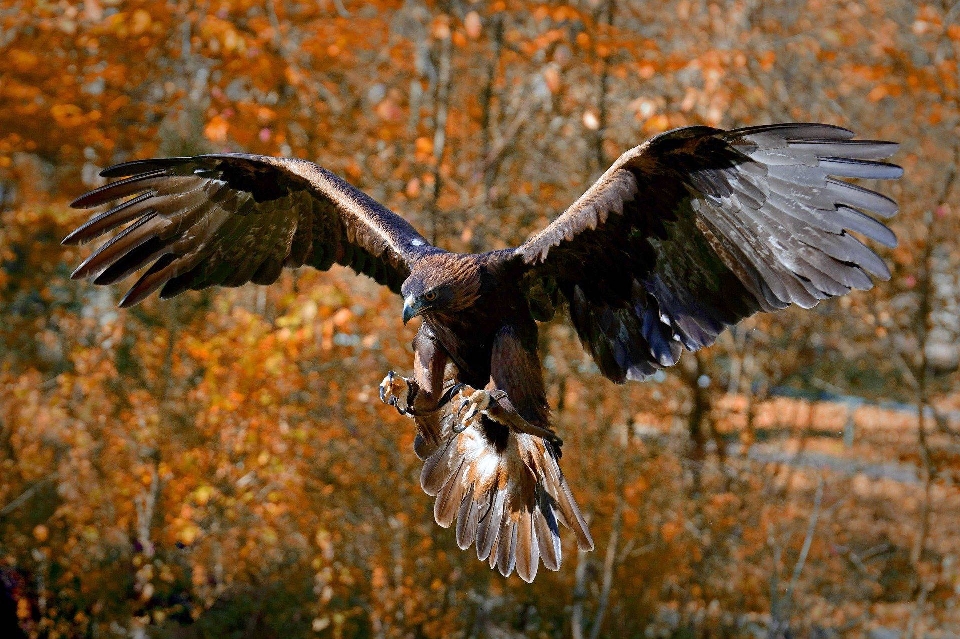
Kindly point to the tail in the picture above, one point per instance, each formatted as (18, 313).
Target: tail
(506, 492)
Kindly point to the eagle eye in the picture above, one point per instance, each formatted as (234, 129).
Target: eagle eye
(430, 295)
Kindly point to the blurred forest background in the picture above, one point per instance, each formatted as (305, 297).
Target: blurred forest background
(220, 465)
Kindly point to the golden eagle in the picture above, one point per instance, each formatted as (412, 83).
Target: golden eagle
(683, 236)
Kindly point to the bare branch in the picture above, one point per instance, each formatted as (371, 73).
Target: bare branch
(807, 541)
(609, 560)
(26, 495)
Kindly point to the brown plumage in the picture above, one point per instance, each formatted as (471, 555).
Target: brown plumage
(683, 236)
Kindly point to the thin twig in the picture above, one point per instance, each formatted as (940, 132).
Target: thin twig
(781, 607)
(26, 495)
(807, 542)
(774, 588)
(609, 560)
(916, 612)
(579, 594)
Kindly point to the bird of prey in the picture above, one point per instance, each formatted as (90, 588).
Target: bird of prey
(683, 236)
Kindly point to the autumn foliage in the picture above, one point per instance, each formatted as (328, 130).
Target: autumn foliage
(219, 465)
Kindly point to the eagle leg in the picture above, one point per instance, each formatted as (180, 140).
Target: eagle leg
(478, 401)
(443, 401)
(488, 403)
(400, 392)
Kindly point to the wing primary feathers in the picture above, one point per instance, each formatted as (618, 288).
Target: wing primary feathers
(133, 260)
(134, 167)
(791, 131)
(184, 280)
(117, 190)
(847, 167)
(149, 281)
(721, 224)
(861, 198)
(291, 210)
(122, 260)
(856, 221)
(109, 220)
(849, 149)
(117, 244)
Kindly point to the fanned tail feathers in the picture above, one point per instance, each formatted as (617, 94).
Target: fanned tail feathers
(506, 493)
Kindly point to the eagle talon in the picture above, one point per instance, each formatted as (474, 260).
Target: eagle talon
(395, 391)
(449, 394)
(477, 400)
(386, 383)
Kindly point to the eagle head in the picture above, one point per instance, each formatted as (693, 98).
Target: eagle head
(440, 283)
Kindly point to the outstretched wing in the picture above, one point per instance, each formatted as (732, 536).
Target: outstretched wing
(699, 228)
(228, 219)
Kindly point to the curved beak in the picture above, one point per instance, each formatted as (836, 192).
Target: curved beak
(411, 308)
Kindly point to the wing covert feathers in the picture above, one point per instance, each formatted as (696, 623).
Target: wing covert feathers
(506, 494)
(699, 228)
(229, 219)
